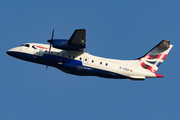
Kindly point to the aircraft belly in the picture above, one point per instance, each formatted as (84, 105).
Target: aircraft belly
(88, 71)
(76, 67)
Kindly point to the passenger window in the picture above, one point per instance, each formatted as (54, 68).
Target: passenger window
(85, 59)
(106, 64)
(101, 63)
(92, 61)
(80, 58)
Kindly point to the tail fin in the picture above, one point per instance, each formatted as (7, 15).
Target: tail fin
(153, 59)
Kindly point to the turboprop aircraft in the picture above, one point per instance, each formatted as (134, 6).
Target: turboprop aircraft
(70, 57)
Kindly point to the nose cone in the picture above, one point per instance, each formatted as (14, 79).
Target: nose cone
(10, 52)
(13, 52)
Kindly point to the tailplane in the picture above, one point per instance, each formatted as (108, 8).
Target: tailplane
(154, 58)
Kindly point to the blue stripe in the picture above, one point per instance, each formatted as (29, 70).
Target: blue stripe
(151, 62)
(158, 65)
(77, 62)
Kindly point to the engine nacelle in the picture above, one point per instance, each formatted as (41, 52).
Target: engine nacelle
(77, 41)
(63, 44)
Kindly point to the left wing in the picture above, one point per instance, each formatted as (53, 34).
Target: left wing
(77, 42)
(78, 39)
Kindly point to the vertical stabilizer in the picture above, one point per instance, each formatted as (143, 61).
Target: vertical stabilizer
(154, 58)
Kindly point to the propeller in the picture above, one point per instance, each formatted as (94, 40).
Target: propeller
(51, 42)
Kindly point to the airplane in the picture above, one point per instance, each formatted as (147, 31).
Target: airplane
(68, 55)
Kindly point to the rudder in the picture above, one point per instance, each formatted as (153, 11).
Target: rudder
(154, 58)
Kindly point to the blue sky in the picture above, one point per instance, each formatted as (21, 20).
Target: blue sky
(120, 29)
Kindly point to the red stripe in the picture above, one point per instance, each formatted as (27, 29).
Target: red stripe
(145, 66)
(162, 56)
(151, 69)
(157, 75)
(41, 47)
(158, 56)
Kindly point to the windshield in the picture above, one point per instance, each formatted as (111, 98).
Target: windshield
(26, 45)
(21, 45)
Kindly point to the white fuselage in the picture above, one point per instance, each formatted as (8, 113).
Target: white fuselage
(76, 62)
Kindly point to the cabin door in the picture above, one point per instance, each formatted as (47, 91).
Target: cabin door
(38, 52)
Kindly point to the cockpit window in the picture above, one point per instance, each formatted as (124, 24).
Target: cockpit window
(21, 45)
(26, 45)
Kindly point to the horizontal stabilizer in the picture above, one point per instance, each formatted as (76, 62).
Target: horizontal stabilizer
(137, 77)
(157, 75)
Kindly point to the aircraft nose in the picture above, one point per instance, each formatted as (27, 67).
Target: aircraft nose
(12, 52)
(9, 52)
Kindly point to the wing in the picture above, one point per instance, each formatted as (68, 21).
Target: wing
(78, 39)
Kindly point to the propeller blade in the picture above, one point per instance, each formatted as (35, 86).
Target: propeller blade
(46, 67)
(51, 42)
(50, 48)
(52, 34)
